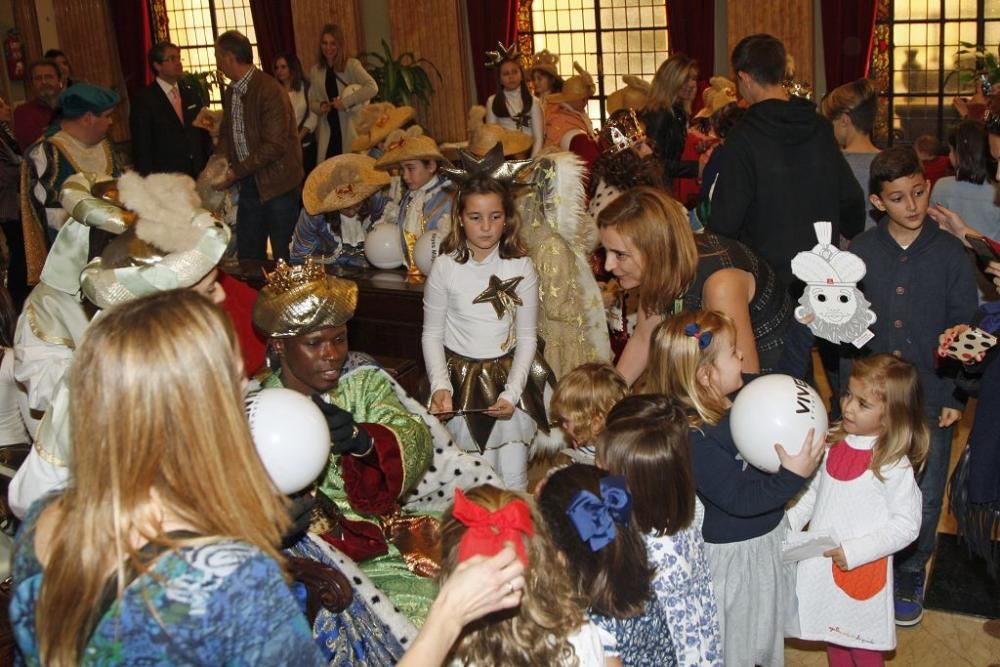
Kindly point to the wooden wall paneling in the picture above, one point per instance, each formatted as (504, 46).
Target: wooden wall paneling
(791, 21)
(309, 17)
(26, 20)
(433, 29)
(94, 60)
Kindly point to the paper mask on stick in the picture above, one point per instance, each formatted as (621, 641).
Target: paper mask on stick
(841, 312)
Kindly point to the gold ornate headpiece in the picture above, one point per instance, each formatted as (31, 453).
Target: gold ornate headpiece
(301, 299)
(502, 54)
(492, 165)
(622, 131)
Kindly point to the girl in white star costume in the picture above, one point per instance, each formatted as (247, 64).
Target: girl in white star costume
(480, 332)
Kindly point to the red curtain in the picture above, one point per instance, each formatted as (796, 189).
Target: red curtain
(691, 27)
(272, 20)
(132, 18)
(848, 26)
(490, 21)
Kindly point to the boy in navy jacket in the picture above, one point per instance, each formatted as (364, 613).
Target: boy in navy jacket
(919, 282)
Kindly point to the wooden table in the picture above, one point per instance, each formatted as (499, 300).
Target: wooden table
(387, 323)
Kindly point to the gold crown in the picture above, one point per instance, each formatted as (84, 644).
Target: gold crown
(286, 277)
(623, 131)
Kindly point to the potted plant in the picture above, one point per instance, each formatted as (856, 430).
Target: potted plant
(986, 66)
(401, 80)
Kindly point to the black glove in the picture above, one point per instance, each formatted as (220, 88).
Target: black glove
(345, 435)
(299, 512)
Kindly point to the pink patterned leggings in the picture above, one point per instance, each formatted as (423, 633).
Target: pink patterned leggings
(842, 656)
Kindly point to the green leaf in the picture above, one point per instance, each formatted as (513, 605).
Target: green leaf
(407, 74)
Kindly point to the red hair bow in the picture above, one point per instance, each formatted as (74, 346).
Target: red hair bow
(489, 531)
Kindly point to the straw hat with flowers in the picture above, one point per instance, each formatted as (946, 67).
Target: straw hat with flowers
(578, 87)
(341, 182)
(376, 121)
(411, 144)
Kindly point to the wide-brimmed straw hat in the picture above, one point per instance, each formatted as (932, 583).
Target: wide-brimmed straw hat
(174, 244)
(720, 92)
(341, 182)
(483, 136)
(578, 87)
(301, 299)
(401, 146)
(376, 121)
(545, 61)
(634, 95)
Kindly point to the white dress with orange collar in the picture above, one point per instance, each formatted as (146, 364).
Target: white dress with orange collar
(873, 519)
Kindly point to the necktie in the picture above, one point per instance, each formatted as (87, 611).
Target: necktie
(175, 99)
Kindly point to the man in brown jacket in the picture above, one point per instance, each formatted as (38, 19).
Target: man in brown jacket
(260, 138)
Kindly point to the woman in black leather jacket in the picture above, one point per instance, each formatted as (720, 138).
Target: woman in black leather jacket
(666, 114)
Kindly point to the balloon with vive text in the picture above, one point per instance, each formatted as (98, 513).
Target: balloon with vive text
(775, 409)
(291, 436)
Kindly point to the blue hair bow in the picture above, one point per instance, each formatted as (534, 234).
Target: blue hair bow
(704, 338)
(595, 518)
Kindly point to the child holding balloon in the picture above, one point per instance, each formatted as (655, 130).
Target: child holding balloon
(694, 359)
(866, 495)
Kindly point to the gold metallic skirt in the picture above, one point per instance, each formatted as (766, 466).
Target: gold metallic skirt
(477, 383)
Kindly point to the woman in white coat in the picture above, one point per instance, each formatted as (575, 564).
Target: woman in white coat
(328, 94)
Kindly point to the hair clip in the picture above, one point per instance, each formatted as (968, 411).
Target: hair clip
(488, 532)
(595, 518)
(704, 338)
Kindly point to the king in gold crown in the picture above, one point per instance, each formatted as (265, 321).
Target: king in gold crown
(623, 131)
(298, 300)
(287, 276)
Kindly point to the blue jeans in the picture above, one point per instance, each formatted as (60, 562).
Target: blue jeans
(932, 484)
(256, 221)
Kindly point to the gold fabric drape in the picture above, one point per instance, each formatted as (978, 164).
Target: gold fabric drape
(791, 21)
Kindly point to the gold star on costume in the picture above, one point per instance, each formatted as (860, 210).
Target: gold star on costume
(502, 296)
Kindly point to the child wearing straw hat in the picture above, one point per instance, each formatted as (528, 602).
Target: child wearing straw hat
(426, 204)
(341, 203)
(567, 125)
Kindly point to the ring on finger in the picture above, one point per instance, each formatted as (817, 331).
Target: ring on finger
(510, 587)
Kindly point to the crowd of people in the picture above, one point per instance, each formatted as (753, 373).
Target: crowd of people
(595, 303)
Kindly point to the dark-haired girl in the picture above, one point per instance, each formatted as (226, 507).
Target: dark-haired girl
(646, 441)
(589, 514)
(514, 107)
(971, 191)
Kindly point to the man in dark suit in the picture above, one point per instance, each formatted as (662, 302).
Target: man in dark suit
(163, 137)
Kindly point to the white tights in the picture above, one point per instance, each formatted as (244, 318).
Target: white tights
(510, 461)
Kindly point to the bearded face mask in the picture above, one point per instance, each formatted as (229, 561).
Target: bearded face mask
(835, 308)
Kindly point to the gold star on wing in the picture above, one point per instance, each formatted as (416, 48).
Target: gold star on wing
(501, 294)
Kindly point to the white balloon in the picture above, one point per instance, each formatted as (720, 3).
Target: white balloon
(383, 247)
(426, 249)
(775, 409)
(291, 435)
